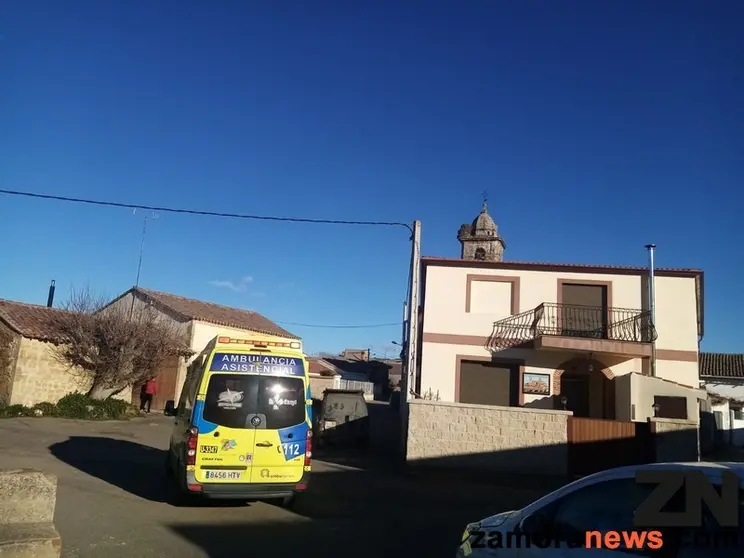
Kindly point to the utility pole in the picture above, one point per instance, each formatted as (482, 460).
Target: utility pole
(404, 333)
(413, 312)
(652, 303)
(408, 384)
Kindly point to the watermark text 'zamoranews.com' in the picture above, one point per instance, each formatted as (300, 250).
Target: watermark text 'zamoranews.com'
(610, 540)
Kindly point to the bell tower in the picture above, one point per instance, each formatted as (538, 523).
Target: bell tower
(480, 239)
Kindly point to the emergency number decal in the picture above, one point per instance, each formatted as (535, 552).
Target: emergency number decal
(291, 450)
(208, 449)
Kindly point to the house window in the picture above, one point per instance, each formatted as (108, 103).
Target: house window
(738, 413)
(484, 383)
(671, 407)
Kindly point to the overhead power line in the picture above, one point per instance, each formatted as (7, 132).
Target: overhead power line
(370, 326)
(205, 213)
(229, 216)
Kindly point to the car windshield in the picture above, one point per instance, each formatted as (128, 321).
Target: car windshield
(232, 399)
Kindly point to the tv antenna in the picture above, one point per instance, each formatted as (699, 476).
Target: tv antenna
(151, 215)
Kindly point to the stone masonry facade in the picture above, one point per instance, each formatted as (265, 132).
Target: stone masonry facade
(318, 384)
(40, 377)
(500, 439)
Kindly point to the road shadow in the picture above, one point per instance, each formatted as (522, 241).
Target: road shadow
(361, 514)
(135, 468)
(415, 510)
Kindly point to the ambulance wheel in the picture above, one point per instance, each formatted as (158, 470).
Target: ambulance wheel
(287, 502)
(177, 495)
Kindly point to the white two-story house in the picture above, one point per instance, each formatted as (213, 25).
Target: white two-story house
(575, 337)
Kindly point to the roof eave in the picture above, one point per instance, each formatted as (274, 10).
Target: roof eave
(286, 335)
(10, 323)
(557, 267)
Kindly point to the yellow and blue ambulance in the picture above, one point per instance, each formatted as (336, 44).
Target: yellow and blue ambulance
(242, 425)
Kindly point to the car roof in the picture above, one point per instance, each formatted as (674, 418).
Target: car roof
(712, 470)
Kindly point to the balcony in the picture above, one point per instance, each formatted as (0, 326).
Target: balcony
(566, 327)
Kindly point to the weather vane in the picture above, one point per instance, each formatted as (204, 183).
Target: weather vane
(485, 198)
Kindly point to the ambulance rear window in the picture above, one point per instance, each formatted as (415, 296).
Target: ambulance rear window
(233, 399)
(281, 401)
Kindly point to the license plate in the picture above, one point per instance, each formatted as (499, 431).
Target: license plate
(224, 475)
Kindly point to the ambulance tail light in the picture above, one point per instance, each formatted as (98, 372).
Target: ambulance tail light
(191, 440)
(309, 448)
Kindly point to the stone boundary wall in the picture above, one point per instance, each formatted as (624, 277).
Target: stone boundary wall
(40, 377)
(498, 439)
(675, 440)
(27, 502)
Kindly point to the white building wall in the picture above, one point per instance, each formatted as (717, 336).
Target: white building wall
(453, 310)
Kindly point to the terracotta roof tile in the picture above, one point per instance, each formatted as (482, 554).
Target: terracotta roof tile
(193, 309)
(30, 320)
(721, 365)
(316, 366)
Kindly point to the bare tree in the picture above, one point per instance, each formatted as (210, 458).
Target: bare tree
(114, 346)
(8, 346)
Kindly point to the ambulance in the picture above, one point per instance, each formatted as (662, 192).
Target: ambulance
(242, 426)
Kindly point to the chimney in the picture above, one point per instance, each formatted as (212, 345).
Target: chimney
(50, 298)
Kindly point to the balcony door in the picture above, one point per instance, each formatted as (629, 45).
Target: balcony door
(584, 310)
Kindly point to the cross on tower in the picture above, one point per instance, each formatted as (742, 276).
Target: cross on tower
(485, 199)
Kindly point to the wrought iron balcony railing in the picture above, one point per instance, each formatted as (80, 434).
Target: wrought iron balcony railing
(569, 320)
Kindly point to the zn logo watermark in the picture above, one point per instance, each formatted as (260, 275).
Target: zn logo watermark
(698, 489)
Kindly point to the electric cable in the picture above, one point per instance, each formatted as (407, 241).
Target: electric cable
(205, 213)
(370, 326)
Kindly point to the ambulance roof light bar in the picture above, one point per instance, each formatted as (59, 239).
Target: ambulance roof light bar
(259, 342)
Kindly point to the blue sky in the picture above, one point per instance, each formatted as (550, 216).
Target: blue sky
(596, 128)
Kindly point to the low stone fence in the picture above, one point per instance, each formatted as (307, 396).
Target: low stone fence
(675, 440)
(497, 439)
(27, 502)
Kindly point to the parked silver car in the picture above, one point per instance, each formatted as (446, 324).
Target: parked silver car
(579, 516)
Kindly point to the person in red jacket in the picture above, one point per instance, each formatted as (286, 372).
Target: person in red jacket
(148, 392)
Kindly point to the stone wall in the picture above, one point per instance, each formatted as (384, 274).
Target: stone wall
(499, 439)
(675, 440)
(318, 384)
(40, 377)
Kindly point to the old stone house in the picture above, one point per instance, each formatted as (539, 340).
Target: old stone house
(199, 322)
(30, 373)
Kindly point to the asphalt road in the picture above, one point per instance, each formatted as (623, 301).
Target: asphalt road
(112, 502)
